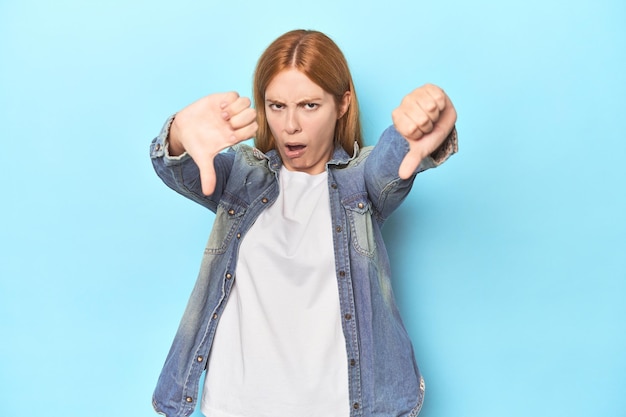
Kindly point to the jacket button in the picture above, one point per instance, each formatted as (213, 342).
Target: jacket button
(157, 147)
(189, 399)
(231, 212)
(361, 205)
(342, 274)
(214, 316)
(238, 235)
(334, 185)
(352, 362)
(338, 229)
(228, 276)
(200, 358)
(355, 406)
(348, 316)
(264, 200)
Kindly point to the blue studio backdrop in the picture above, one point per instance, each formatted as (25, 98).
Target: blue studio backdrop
(509, 260)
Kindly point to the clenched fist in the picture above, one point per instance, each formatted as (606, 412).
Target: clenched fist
(208, 126)
(425, 118)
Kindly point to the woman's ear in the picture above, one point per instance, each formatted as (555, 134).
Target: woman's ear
(344, 104)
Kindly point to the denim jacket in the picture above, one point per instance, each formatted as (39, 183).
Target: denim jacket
(364, 189)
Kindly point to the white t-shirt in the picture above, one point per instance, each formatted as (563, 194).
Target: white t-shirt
(279, 350)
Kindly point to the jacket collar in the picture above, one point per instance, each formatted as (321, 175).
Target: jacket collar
(340, 157)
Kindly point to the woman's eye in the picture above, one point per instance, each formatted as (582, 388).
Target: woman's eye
(275, 106)
(311, 106)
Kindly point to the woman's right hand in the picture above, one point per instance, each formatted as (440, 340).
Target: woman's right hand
(208, 126)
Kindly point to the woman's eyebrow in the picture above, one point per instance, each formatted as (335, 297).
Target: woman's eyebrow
(300, 101)
(309, 99)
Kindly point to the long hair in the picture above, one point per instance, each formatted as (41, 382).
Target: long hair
(319, 58)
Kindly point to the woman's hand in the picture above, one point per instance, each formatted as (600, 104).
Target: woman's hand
(208, 126)
(425, 118)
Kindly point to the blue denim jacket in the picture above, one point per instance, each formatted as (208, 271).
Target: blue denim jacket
(364, 189)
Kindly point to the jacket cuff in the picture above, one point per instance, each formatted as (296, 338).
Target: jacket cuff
(160, 145)
(449, 147)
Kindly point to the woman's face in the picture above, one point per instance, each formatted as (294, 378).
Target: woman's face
(302, 118)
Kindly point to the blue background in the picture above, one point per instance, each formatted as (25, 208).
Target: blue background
(509, 260)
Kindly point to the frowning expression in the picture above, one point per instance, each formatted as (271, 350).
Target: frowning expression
(302, 118)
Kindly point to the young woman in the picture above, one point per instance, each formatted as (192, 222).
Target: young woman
(292, 314)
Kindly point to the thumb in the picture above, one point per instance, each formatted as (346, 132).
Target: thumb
(207, 176)
(409, 164)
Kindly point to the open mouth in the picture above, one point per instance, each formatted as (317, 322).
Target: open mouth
(295, 148)
(293, 151)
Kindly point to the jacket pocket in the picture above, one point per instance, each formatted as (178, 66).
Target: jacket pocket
(359, 212)
(227, 222)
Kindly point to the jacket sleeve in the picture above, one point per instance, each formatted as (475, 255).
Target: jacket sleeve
(385, 188)
(181, 173)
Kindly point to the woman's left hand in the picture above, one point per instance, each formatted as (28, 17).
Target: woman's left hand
(425, 118)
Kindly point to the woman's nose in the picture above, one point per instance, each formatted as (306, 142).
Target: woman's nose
(292, 125)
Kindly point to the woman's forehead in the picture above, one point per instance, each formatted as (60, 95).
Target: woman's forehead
(293, 85)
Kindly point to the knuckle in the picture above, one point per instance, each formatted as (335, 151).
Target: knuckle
(231, 96)
(394, 115)
(441, 103)
(409, 129)
(434, 90)
(422, 120)
(440, 97)
(431, 106)
(406, 100)
(415, 135)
